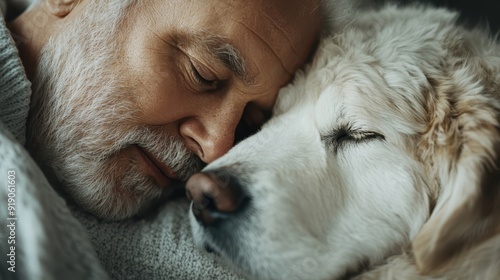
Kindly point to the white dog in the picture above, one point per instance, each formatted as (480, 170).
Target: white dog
(381, 161)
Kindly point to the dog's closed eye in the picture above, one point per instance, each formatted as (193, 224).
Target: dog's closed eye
(338, 138)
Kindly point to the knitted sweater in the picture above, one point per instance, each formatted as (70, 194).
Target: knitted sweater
(39, 238)
(50, 243)
(14, 87)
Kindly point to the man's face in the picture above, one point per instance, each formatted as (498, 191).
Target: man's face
(131, 98)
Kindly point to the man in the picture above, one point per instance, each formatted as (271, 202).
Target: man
(128, 98)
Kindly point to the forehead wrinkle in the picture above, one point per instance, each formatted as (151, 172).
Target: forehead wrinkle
(284, 33)
(293, 24)
(267, 45)
(280, 23)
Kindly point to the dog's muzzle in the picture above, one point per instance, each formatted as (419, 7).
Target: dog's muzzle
(217, 197)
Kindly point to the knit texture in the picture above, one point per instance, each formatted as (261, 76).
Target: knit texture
(159, 247)
(14, 87)
(48, 242)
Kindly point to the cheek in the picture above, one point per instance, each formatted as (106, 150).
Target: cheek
(383, 177)
(154, 82)
(372, 167)
(159, 95)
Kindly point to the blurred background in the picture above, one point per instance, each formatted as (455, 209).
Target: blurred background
(472, 12)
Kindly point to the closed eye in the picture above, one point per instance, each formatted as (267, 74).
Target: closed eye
(343, 136)
(199, 78)
(203, 77)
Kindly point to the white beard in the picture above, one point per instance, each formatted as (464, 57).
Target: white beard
(82, 116)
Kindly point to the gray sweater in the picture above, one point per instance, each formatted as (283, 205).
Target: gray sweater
(39, 237)
(14, 87)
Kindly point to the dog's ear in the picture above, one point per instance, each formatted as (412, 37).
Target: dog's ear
(466, 153)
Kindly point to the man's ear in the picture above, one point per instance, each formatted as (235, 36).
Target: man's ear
(467, 212)
(61, 8)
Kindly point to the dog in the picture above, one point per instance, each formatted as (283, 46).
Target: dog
(381, 160)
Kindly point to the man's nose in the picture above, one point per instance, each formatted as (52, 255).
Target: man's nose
(209, 135)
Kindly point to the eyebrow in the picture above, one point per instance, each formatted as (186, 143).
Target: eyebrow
(228, 55)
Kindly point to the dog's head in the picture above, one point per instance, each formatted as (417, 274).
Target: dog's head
(365, 145)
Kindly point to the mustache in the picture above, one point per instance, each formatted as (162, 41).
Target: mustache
(169, 149)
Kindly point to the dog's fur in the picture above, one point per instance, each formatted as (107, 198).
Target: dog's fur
(382, 159)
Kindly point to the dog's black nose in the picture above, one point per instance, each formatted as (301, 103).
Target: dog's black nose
(216, 196)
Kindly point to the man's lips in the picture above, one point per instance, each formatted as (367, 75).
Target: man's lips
(162, 173)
